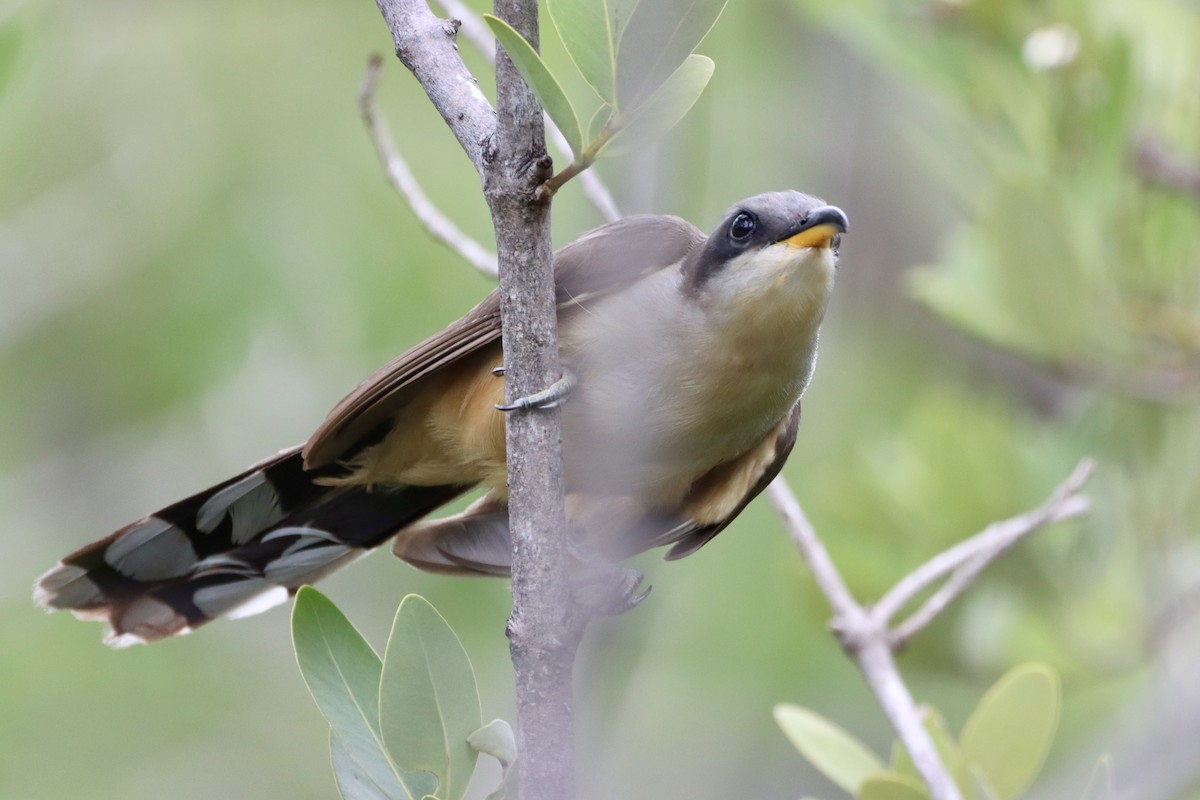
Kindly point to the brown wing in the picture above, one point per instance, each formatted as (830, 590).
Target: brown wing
(723, 492)
(476, 541)
(598, 263)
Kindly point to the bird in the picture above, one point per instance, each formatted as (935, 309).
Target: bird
(685, 356)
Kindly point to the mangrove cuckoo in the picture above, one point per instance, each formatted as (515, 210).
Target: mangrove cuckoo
(687, 354)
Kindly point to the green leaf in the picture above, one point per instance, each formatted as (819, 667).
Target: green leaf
(540, 79)
(428, 700)
(497, 740)
(658, 39)
(666, 107)
(590, 30)
(353, 782)
(891, 786)
(1100, 785)
(838, 755)
(342, 672)
(1007, 736)
(599, 120)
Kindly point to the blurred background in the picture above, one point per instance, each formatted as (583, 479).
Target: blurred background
(199, 255)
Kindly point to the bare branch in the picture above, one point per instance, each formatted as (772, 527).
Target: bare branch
(401, 177)
(477, 33)
(473, 27)
(508, 151)
(427, 46)
(878, 666)
(865, 640)
(542, 634)
(783, 499)
(864, 632)
(1003, 535)
(967, 558)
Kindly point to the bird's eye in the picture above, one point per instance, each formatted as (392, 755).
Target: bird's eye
(743, 226)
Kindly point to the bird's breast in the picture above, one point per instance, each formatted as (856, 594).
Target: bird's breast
(670, 388)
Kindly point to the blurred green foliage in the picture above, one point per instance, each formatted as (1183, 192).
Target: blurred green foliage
(199, 255)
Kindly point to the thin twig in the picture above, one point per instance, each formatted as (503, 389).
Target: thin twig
(864, 632)
(811, 547)
(983, 548)
(965, 575)
(478, 34)
(402, 178)
(866, 642)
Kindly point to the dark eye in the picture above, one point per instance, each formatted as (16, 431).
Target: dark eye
(743, 226)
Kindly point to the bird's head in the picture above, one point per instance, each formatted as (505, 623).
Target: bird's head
(777, 249)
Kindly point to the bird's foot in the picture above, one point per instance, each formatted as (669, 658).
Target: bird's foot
(550, 397)
(601, 586)
(607, 591)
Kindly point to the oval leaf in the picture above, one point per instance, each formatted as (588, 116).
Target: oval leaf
(658, 39)
(589, 31)
(839, 756)
(890, 786)
(353, 782)
(497, 740)
(599, 120)
(428, 700)
(535, 72)
(649, 121)
(1007, 736)
(342, 672)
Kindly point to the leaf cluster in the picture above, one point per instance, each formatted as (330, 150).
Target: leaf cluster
(404, 727)
(638, 59)
(1001, 750)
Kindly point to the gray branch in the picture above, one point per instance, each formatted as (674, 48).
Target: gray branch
(427, 46)
(976, 553)
(542, 631)
(865, 632)
(403, 180)
(867, 644)
(508, 151)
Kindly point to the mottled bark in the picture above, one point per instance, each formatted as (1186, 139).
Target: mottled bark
(508, 149)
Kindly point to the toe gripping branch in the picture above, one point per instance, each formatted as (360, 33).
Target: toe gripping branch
(550, 397)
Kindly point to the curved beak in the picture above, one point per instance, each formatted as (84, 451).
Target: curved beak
(818, 228)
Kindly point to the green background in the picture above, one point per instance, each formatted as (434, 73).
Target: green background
(199, 255)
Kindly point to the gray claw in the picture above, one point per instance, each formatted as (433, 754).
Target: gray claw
(626, 596)
(550, 397)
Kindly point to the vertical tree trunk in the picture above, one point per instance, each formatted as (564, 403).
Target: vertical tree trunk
(541, 640)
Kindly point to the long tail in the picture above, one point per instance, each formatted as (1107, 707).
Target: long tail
(236, 549)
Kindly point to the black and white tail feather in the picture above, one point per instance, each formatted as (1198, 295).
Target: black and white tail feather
(234, 550)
